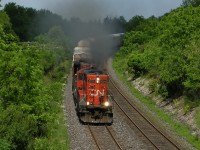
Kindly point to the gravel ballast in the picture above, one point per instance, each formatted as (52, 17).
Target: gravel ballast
(80, 137)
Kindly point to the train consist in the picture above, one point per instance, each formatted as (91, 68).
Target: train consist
(90, 87)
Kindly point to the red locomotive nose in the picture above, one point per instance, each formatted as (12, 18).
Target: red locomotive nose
(96, 89)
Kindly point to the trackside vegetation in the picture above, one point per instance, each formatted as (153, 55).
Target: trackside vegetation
(35, 58)
(166, 50)
(31, 89)
(34, 63)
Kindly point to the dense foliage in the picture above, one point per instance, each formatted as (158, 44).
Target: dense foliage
(167, 49)
(34, 59)
(28, 23)
(31, 77)
(194, 3)
(31, 73)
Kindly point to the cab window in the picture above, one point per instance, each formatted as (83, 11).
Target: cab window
(80, 77)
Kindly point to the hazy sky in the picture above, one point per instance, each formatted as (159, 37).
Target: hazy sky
(90, 9)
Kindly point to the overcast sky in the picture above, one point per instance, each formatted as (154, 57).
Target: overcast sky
(90, 9)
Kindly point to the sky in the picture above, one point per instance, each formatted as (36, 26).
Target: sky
(99, 9)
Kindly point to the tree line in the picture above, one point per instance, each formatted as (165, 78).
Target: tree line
(28, 23)
(31, 83)
(166, 49)
(35, 57)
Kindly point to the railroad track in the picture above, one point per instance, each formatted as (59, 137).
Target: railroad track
(154, 136)
(103, 137)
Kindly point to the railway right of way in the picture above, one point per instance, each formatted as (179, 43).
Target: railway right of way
(103, 137)
(154, 137)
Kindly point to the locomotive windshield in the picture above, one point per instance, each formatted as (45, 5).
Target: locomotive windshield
(80, 77)
(91, 81)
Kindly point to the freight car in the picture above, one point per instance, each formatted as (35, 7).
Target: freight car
(81, 56)
(90, 88)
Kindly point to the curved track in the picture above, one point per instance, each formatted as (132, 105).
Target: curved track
(154, 137)
(103, 137)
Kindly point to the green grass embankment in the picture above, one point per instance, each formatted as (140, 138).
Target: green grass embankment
(159, 115)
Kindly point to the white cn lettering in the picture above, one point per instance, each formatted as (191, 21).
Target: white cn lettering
(98, 92)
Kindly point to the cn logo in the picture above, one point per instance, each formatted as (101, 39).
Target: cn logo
(98, 92)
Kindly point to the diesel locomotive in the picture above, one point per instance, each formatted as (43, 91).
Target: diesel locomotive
(90, 88)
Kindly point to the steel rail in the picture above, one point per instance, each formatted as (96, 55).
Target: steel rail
(139, 112)
(94, 137)
(113, 138)
(110, 133)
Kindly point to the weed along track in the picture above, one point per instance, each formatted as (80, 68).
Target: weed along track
(151, 135)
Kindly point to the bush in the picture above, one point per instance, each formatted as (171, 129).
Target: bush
(5, 145)
(167, 48)
(135, 64)
(28, 104)
(153, 85)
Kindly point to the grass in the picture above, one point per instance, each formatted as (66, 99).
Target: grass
(179, 128)
(57, 136)
(197, 117)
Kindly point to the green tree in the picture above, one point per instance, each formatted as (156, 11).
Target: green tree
(27, 91)
(192, 82)
(21, 19)
(22, 94)
(45, 20)
(29, 23)
(5, 22)
(166, 48)
(114, 25)
(194, 3)
(134, 23)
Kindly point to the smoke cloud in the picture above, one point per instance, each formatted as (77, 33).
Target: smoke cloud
(84, 9)
(90, 9)
(87, 10)
(83, 14)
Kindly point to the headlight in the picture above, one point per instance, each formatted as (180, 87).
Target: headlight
(88, 103)
(106, 104)
(98, 80)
